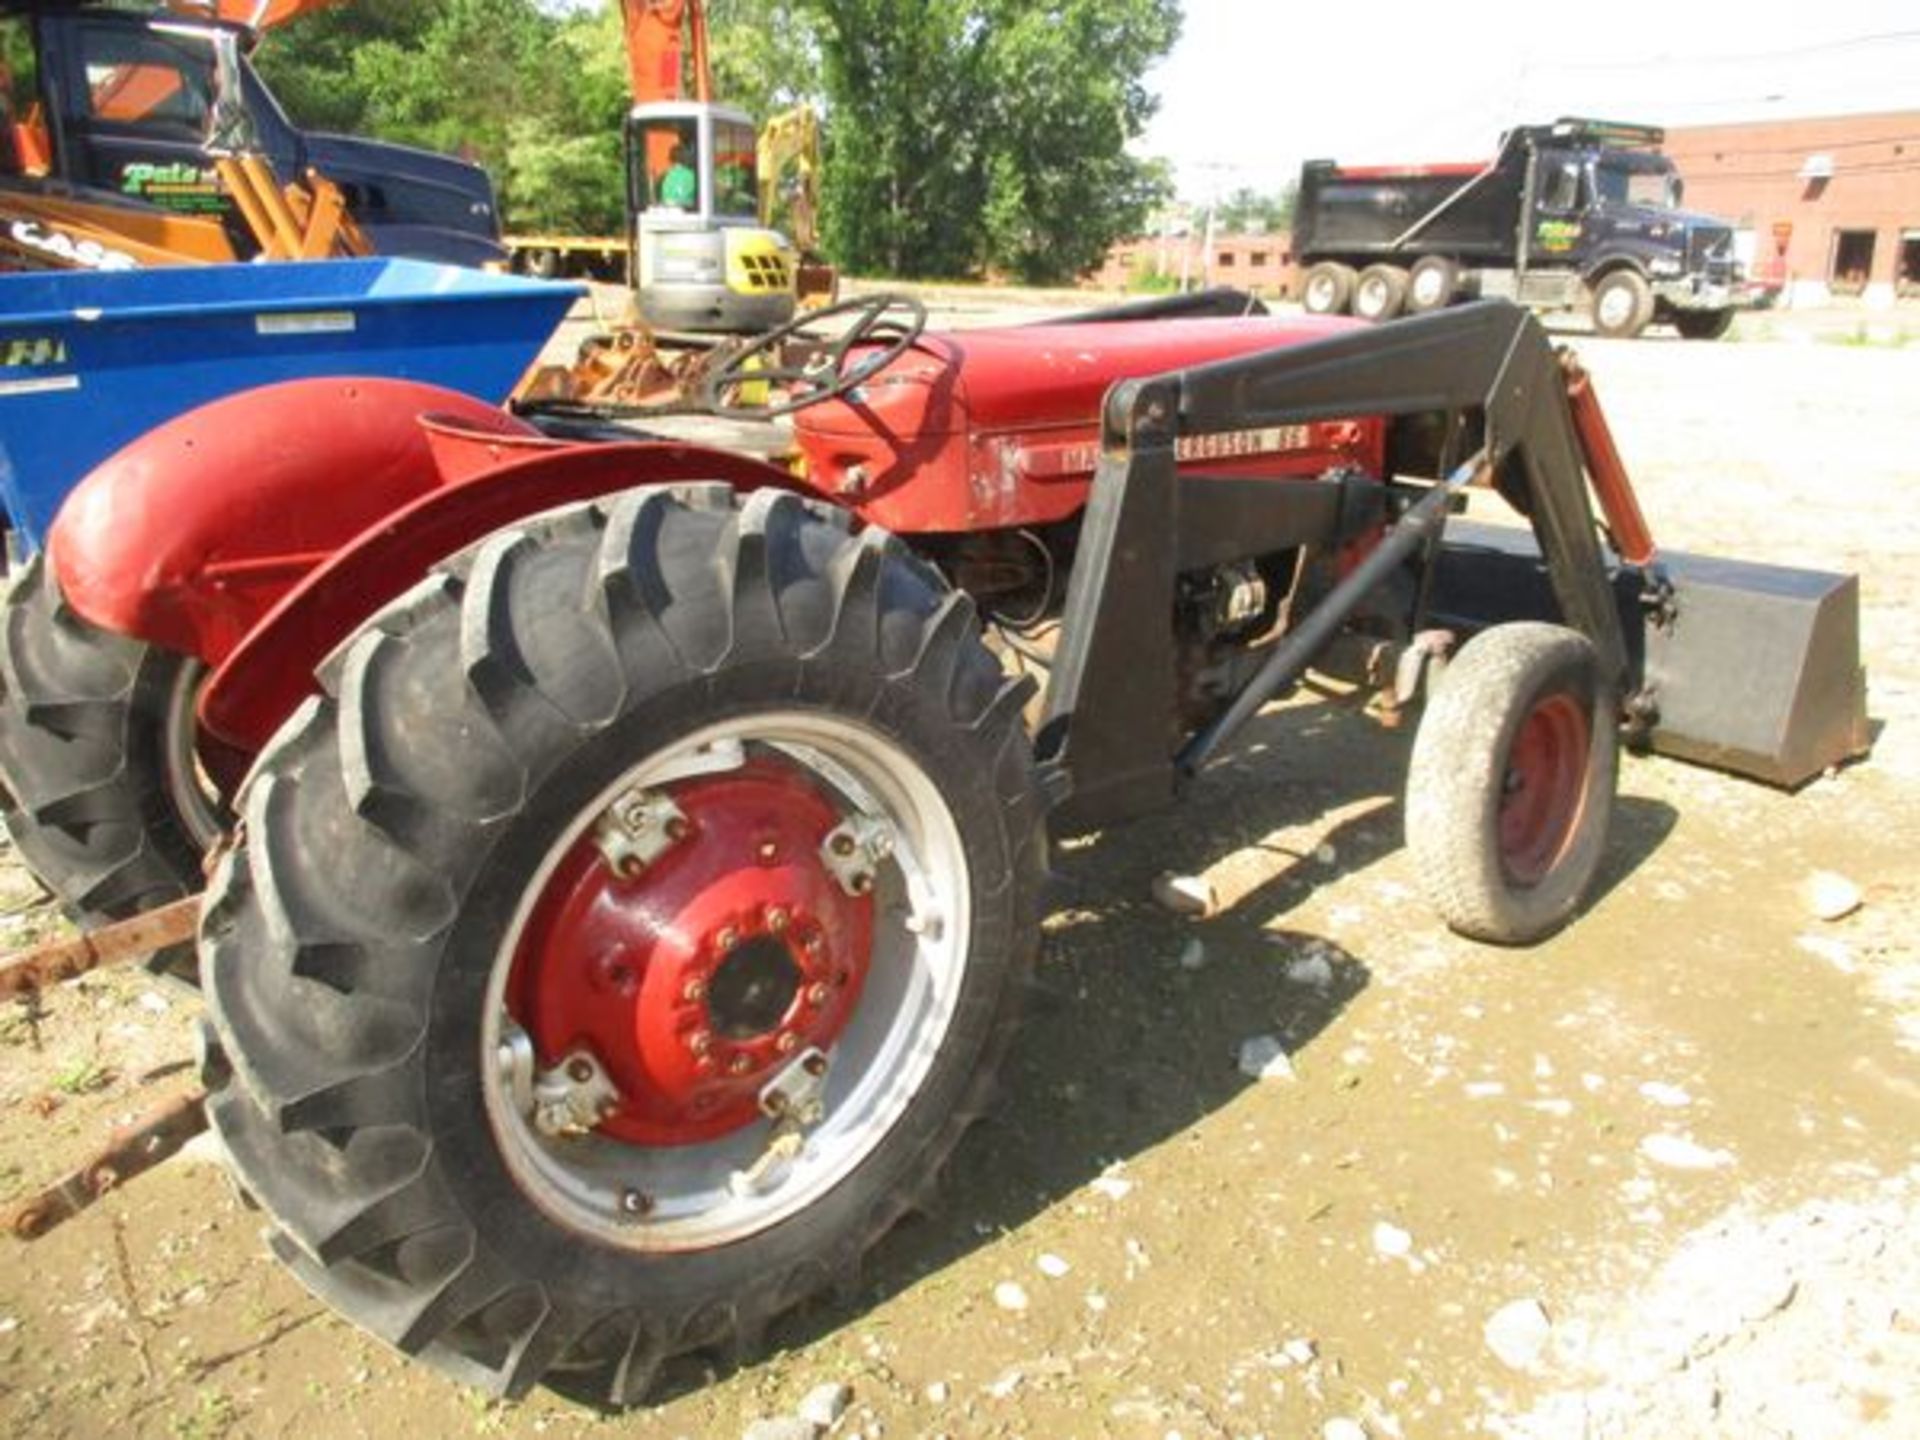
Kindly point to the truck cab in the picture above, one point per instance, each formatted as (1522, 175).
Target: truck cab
(122, 103)
(1600, 206)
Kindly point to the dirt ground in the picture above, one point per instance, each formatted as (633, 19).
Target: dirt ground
(1659, 1177)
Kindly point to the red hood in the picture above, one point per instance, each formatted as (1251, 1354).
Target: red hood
(1036, 376)
(950, 436)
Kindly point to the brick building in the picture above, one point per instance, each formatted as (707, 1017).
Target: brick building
(1833, 204)
(1262, 264)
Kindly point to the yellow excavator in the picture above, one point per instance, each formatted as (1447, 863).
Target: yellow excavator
(789, 156)
(705, 253)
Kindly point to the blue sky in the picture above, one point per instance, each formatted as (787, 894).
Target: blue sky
(1256, 86)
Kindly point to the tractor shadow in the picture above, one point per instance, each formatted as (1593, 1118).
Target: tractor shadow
(1123, 1047)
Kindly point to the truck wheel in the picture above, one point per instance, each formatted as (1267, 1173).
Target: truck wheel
(1511, 784)
(102, 795)
(1702, 324)
(1431, 284)
(1328, 288)
(622, 942)
(1622, 304)
(1380, 293)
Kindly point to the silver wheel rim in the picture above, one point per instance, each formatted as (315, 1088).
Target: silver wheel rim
(1428, 288)
(189, 790)
(1320, 293)
(922, 925)
(1615, 307)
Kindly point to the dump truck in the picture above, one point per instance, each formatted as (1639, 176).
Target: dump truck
(109, 156)
(629, 853)
(1576, 215)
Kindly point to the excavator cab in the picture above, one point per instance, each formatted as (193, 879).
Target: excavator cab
(701, 259)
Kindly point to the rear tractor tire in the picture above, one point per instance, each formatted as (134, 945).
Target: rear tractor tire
(1380, 293)
(102, 795)
(1511, 785)
(1327, 288)
(623, 940)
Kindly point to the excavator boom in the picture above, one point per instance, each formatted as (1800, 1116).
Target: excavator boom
(666, 49)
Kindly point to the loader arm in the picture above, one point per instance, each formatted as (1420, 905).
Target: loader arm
(1145, 523)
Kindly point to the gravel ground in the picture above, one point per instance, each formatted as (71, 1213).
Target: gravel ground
(1659, 1177)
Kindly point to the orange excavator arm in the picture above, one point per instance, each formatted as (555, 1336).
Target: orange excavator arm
(257, 15)
(666, 40)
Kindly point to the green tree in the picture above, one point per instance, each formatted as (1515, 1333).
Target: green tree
(766, 54)
(535, 98)
(1247, 209)
(987, 134)
(1068, 98)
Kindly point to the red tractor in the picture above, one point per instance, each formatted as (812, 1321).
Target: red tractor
(626, 856)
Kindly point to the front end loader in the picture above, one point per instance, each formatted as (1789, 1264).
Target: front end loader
(634, 850)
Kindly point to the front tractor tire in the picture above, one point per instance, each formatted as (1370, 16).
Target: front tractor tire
(1511, 786)
(623, 940)
(102, 796)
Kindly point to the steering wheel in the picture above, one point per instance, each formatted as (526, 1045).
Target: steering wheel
(892, 322)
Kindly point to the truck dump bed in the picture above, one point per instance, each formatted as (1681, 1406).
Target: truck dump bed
(1364, 210)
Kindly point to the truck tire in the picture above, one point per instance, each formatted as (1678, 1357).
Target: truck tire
(1327, 288)
(1380, 293)
(1702, 324)
(1511, 785)
(1431, 284)
(1622, 304)
(102, 796)
(714, 775)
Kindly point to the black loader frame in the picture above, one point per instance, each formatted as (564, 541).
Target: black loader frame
(1146, 523)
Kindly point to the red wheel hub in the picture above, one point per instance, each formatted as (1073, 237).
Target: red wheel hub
(1545, 788)
(697, 979)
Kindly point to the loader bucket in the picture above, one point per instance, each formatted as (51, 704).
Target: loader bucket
(1756, 670)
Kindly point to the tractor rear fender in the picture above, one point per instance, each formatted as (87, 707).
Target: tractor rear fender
(266, 675)
(192, 533)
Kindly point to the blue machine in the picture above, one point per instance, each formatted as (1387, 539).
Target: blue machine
(90, 361)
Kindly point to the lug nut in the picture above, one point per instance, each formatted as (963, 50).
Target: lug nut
(580, 1071)
(769, 852)
(725, 937)
(777, 919)
(695, 990)
(740, 1064)
(815, 1065)
(860, 882)
(700, 1042)
(636, 1202)
(678, 828)
(787, 1043)
(841, 844)
(812, 943)
(817, 994)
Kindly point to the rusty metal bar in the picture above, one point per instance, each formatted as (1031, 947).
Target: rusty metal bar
(132, 1150)
(114, 944)
(1625, 523)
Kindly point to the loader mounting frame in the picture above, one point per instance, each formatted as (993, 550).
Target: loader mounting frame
(1146, 523)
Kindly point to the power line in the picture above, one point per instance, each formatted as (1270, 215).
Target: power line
(1883, 37)
(1746, 150)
